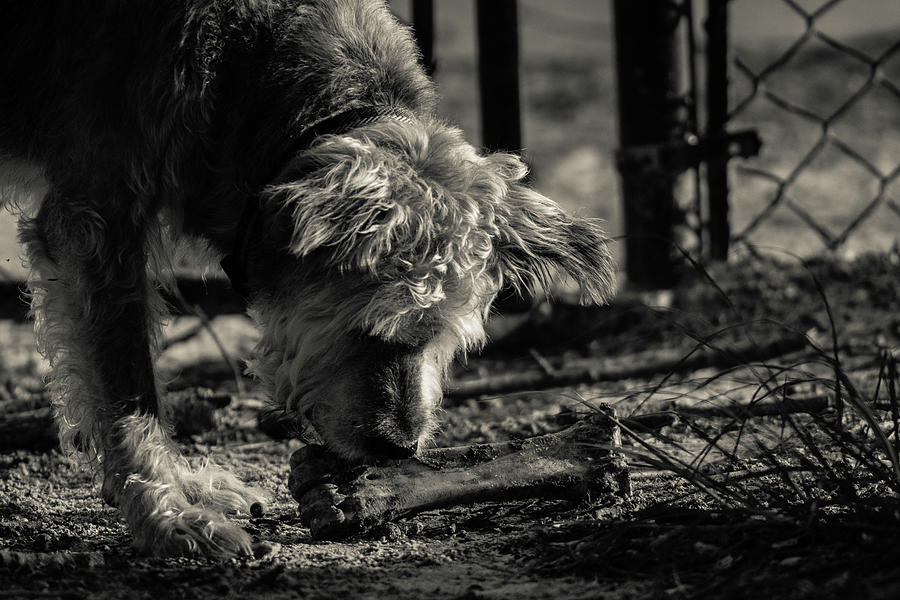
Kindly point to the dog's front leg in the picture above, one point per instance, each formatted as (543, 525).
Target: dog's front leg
(95, 321)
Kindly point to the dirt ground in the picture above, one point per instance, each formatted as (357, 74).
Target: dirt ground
(667, 540)
(59, 540)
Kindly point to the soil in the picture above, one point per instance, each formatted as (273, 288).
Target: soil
(59, 540)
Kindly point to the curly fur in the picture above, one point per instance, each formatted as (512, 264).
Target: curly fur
(419, 233)
(372, 261)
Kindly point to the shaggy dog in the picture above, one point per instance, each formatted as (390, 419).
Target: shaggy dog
(298, 139)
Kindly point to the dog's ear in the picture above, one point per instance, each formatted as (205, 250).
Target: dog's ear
(363, 209)
(341, 204)
(537, 238)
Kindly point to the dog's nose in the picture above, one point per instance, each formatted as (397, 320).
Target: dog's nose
(384, 448)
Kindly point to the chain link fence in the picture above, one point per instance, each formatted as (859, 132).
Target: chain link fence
(827, 108)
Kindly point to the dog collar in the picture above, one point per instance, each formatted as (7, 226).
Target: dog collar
(234, 264)
(345, 120)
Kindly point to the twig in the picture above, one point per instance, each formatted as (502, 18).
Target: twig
(26, 425)
(212, 294)
(634, 366)
(769, 408)
(773, 408)
(27, 430)
(542, 362)
(650, 421)
(183, 336)
(205, 323)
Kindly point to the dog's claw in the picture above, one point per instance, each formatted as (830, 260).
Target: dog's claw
(195, 532)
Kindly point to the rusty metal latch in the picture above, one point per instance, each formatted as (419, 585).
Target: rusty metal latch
(679, 155)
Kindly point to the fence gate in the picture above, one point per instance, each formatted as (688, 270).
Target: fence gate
(661, 136)
(688, 107)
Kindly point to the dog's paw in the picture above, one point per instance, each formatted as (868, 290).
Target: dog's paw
(218, 490)
(193, 532)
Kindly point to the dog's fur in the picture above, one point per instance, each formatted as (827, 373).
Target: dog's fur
(372, 261)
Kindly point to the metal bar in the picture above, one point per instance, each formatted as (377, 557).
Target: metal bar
(423, 26)
(716, 120)
(650, 113)
(693, 126)
(498, 74)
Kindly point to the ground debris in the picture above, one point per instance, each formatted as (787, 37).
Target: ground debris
(32, 561)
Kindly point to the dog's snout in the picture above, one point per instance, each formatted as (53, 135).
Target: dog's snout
(385, 406)
(385, 448)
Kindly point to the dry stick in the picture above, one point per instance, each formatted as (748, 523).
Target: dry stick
(581, 462)
(184, 336)
(27, 423)
(633, 367)
(212, 294)
(198, 312)
(33, 429)
(771, 408)
(27, 430)
(18, 402)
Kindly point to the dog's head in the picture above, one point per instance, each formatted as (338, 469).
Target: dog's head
(393, 243)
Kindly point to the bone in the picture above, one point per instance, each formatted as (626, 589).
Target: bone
(582, 462)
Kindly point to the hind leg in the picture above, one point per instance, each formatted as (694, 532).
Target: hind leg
(95, 321)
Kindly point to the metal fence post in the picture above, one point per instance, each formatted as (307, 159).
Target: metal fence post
(423, 26)
(498, 74)
(651, 114)
(716, 118)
